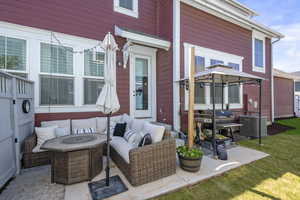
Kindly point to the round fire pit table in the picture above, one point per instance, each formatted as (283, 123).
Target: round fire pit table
(75, 158)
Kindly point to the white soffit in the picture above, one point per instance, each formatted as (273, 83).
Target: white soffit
(144, 39)
(218, 10)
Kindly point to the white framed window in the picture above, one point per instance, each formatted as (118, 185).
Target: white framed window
(258, 52)
(13, 55)
(93, 79)
(127, 7)
(56, 75)
(205, 57)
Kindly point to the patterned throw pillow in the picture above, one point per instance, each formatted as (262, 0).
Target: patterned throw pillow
(146, 140)
(133, 137)
(77, 131)
(129, 136)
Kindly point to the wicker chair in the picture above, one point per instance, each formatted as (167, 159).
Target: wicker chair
(148, 163)
(31, 159)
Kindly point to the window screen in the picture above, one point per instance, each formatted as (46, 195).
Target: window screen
(199, 88)
(259, 54)
(216, 62)
(234, 66)
(200, 63)
(297, 86)
(12, 54)
(234, 93)
(128, 4)
(56, 59)
(92, 89)
(56, 90)
(91, 67)
(218, 92)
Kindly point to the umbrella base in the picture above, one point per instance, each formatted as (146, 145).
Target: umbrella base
(99, 190)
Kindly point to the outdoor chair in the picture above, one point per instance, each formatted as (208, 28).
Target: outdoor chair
(148, 163)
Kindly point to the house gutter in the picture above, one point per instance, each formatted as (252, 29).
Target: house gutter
(272, 79)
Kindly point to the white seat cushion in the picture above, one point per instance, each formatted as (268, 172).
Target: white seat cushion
(43, 134)
(84, 123)
(156, 132)
(66, 124)
(138, 125)
(122, 147)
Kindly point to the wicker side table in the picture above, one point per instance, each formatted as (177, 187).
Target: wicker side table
(75, 159)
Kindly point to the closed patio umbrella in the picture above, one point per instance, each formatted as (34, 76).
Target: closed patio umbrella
(108, 101)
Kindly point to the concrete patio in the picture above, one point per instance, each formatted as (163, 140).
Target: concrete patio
(35, 183)
(238, 156)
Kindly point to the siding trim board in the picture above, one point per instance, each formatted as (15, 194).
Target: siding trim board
(215, 8)
(143, 39)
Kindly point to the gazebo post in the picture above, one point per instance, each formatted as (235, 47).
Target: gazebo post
(214, 116)
(222, 95)
(191, 100)
(259, 123)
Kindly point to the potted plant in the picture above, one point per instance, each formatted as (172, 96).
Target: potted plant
(189, 158)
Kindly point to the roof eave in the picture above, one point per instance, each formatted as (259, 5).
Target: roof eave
(232, 17)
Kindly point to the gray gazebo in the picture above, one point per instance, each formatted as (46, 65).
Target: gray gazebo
(218, 75)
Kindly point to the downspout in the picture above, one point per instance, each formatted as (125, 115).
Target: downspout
(176, 64)
(272, 78)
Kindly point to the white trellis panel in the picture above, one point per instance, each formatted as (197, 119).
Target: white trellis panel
(15, 125)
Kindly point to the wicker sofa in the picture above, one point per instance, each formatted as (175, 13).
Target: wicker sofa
(148, 163)
(143, 164)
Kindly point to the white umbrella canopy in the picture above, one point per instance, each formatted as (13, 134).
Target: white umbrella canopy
(108, 101)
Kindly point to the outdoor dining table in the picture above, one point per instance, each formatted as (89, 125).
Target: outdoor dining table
(75, 158)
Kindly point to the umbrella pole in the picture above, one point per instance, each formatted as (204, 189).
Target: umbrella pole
(108, 150)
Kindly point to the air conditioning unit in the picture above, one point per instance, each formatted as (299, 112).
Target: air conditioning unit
(250, 126)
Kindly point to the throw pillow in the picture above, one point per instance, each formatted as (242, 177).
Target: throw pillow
(77, 131)
(120, 129)
(59, 132)
(43, 134)
(156, 131)
(146, 140)
(129, 136)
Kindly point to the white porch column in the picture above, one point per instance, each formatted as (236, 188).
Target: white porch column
(176, 64)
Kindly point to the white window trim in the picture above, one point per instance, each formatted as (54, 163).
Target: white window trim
(209, 54)
(34, 37)
(17, 36)
(262, 37)
(125, 11)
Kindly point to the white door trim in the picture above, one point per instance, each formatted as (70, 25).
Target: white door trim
(151, 53)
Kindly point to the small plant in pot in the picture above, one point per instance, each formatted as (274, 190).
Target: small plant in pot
(189, 158)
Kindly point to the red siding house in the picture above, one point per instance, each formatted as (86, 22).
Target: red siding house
(284, 94)
(48, 38)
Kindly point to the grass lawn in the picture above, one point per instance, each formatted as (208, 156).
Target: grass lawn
(274, 177)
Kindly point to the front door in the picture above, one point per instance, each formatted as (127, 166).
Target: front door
(142, 86)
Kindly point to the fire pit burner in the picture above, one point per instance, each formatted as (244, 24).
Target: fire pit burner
(79, 139)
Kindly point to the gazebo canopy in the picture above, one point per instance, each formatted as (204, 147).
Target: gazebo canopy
(223, 74)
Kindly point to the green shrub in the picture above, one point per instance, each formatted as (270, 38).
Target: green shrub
(184, 151)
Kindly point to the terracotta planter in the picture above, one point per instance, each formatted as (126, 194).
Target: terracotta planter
(190, 164)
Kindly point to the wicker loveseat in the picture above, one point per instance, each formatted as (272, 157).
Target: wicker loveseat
(148, 163)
